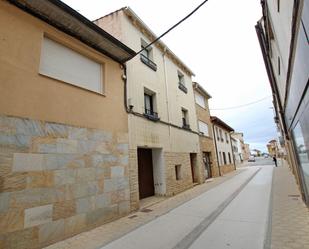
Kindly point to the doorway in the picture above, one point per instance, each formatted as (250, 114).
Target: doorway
(207, 164)
(193, 162)
(145, 173)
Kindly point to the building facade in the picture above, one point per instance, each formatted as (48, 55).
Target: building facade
(64, 158)
(207, 146)
(223, 145)
(246, 152)
(163, 134)
(240, 144)
(283, 36)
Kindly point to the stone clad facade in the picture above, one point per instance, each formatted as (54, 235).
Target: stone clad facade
(64, 153)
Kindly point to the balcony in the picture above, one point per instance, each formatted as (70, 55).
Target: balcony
(186, 126)
(151, 115)
(182, 87)
(148, 62)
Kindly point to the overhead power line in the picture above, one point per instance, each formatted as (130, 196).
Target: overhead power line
(170, 29)
(240, 106)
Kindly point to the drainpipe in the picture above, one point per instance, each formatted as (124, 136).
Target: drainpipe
(213, 130)
(167, 103)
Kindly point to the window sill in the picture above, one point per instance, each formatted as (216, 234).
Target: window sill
(148, 62)
(151, 117)
(182, 88)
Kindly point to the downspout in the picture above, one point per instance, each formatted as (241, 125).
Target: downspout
(124, 78)
(213, 130)
(167, 103)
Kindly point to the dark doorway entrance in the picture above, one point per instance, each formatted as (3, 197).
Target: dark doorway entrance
(193, 158)
(145, 173)
(207, 163)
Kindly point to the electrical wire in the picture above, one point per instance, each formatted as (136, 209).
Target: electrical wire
(170, 29)
(240, 106)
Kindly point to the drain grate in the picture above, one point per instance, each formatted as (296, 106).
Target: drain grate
(293, 195)
(146, 210)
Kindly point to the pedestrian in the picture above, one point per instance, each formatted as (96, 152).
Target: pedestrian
(275, 160)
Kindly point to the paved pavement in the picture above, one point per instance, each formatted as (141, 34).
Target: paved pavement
(229, 212)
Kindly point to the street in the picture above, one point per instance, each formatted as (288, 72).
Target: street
(232, 215)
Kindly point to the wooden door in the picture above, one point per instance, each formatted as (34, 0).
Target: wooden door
(145, 173)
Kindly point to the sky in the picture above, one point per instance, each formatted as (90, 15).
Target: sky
(219, 44)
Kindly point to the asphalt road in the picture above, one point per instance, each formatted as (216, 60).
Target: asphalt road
(261, 161)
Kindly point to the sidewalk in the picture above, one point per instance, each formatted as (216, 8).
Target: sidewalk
(102, 235)
(290, 216)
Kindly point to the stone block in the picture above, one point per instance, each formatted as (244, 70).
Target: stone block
(102, 215)
(38, 215)
(117, 171)
(123, 148)
(51, 231)
(102, 201)
(66, 146)
(23, 239)
(65, 176)
(74, 224)
(85, 174)
(102, 148)
(4, 202)
(17, 141)
(77, 133)
(58, 161)
(100, 135)
(124, 207)
(76, 163)
(100, 186)
(29, 127)
(100, 173)
(115, 184)
(64, 209)
(13, 182)
(7, 125)
(26, 198)
(27, 162)
(40, 179)
(124, 160)
(12, 220)
(117, 196)
(56, 130)
(85, 205)
(83, 189)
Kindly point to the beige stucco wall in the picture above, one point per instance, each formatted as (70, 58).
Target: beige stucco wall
(26, 93)
(64, 153)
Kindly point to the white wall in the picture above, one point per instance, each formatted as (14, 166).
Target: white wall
(158, 172)
(223, 146)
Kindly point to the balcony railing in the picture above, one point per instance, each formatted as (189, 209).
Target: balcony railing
(182, 87)
(148, 62)
(150, 114)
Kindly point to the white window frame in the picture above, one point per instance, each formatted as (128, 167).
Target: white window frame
(201, 126)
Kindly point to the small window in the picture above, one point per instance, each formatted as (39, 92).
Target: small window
(147, 55)
(64, 64)
(220, 158)
(217, 132)
(200, 100)
(278, 5)
(185, 119)
(149, 102)
(181, 82)
(230, 161)
(178, 172)
(226, 137)
(203, 128)
(224, 158)
(221, 136)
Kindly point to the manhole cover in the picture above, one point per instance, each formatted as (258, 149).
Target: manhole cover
(146, 210)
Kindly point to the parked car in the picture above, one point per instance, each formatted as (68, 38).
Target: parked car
(251, 159)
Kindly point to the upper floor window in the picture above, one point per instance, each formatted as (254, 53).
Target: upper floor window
(221, 137)
(64, 64)
(203, 128)
(217, 132)
(149, 102)
(226, 137)
(200, 100)
(185, 119)
(181, 82)
(224, 158)
(230, 160)
(147, 55)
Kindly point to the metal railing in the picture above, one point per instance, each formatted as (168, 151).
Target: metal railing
(148, 62)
